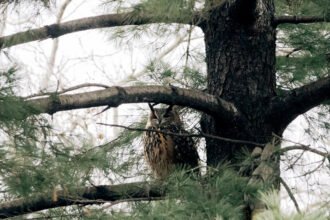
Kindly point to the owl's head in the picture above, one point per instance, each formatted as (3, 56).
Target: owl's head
(162, 117)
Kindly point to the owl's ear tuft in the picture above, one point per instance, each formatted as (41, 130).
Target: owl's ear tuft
(152, 109)
(169, 109)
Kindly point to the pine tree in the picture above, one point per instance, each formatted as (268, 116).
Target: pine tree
(266, 64)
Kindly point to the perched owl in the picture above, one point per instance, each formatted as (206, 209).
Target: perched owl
(163, 152)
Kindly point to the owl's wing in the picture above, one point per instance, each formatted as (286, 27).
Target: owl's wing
(185, 151)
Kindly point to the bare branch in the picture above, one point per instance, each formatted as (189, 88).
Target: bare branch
(52, 58)
(305, 148)
(298, 19)
(287, 188)
(297, 101)
(57, 30)
(68, 90)
(115, 96)
(201, 135)
(87, 195)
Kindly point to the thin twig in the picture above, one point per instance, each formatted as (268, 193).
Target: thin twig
(68, 89)
(287, 188)
(52, 58)
(284, 139)
(313, 170)
(134, 200)
(56, 216)
(291, 52)
(188, 44)
(201, 135)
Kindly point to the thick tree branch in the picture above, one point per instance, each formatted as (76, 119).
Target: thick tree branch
(284, 109)
(86, 196)
(56, 30)
(298, 19)
(115, 96)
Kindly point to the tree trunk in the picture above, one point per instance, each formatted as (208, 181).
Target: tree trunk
(240, 57)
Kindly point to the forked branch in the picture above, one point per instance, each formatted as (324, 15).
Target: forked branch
(298, 101)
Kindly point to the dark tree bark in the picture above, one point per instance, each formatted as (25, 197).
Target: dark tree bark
(240, 57)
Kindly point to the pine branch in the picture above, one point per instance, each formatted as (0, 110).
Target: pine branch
(86, 196)
(115, 96)
(297, 101)
(57, 30)
(298, 19)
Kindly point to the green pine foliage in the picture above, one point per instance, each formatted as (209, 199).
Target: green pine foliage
(164, 74)
(306, 46)
(303, 7)
(158, 10)
(217, 195)
(307, 59)
(33, 160)
(303, 54)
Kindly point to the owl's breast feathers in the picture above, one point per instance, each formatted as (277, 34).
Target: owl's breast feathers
(163, 152)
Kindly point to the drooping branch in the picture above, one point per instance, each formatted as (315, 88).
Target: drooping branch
(287, 188)
(86, 196)
(57, 30)
(306, 148)
(298, 101)
(115, 96)
(200, 135)
(298, 19)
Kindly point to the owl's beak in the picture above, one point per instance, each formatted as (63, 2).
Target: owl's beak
(159, 121)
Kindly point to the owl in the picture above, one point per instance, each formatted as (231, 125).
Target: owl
(164, 152)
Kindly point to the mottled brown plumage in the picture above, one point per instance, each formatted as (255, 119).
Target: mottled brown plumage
(164, 152)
